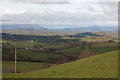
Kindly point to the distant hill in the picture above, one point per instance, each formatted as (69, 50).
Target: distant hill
(31, 29)
(100, 66)
(95, 28)
(22, 26)
(84, 34)
(56, 38)
(15, 37)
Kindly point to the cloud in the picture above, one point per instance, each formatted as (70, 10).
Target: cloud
(61, 15)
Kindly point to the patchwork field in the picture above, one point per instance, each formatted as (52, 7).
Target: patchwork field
(83, 55)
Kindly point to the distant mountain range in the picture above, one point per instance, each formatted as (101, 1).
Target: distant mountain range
(95, 28)
(38, 27)
(24, 26)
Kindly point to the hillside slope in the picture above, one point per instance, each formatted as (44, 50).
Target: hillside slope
(100, 66)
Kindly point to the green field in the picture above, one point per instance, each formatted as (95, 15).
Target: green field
(62, 45)
(95, 48)
(103, 49)
(23, 44)
(99, 39)
(110, 44)
(38, 55)
(99, 66)
(73, 50)
(8, 66)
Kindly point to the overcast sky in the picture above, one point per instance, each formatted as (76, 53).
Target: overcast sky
(68, 14)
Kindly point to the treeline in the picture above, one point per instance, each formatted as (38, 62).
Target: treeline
(45, 39)
(85, 34)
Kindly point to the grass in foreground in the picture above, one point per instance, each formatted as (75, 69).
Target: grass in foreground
(8, 66)
(100, 66)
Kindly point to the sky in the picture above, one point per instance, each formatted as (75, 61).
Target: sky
(60, 14)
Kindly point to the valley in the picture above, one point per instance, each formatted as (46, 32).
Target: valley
(44, 52)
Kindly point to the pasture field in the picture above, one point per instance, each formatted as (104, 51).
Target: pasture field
(76, 49)
(99, 66)
(99, 39)
(105, 44)
(37, 55)
(94, 48)
(8, 66)
(62, 45)
(59, 45)
(103, 49)
(23, 44)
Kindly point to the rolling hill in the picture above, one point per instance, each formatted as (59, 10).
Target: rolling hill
(99, 66)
